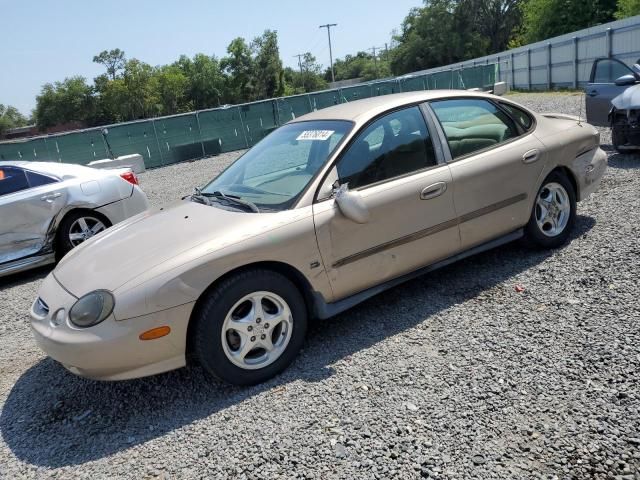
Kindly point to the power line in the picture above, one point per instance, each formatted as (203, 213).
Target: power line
(328, 27)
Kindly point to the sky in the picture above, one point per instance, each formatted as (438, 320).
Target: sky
(46, 41)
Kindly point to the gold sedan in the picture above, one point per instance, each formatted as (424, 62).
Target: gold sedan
(325, 212)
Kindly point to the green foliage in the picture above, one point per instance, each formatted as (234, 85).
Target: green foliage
(307, 78)
(627, 8)
(361, 65)
(113, 60)
(238, 67)
(10, 117)
(66, 101)
(268, 73)
(549, 18)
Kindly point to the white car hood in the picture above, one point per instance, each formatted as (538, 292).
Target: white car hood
(628, 100)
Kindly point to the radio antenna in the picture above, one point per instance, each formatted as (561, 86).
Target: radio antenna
(582, 100)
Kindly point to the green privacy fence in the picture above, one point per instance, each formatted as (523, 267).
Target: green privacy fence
(166, 140)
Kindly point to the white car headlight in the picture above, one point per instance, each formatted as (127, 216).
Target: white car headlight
(92, 309)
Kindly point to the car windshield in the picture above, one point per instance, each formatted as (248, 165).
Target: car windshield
(275, 172)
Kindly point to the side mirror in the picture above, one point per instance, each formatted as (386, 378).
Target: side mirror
(351, 204)
(628, 79)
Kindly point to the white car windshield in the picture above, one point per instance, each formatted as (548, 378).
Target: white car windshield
(275, 172)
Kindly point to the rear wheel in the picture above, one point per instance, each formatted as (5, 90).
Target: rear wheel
(553, 214)
(250, 327)
(77, 227)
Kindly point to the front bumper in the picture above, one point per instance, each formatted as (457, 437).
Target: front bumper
(112, 349)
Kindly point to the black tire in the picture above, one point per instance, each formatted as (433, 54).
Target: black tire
(617, 137)
(63, 244)
(209, 319)
(533, 234)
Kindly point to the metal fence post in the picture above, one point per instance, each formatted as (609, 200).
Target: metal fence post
(608, 42)
(575, 62)
(244, 131)
(528, 68)
(200, 133)
(513, 73)
(549, 66)
(155, 134)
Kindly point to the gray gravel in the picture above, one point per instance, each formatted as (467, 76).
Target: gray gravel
(453, 375)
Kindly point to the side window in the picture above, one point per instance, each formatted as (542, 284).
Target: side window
(37, 180)
(608, 70)
(519, 115)
(394, 145)
(12, 179)
(472, 124)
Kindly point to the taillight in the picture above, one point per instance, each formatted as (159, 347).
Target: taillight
(130, 177)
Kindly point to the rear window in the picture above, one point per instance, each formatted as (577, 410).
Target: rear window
(520, 116)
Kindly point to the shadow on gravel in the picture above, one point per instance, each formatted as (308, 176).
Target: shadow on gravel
(52, 418)
(24, 277)
(625, 161)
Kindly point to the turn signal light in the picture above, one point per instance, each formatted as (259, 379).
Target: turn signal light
(154, 333)
(130, 177)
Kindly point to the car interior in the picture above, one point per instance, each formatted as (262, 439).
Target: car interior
(469, 128)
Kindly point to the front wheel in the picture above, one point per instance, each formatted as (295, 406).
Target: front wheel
(250, 327)
(553, 214)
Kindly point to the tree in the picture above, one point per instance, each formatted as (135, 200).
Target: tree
(142, 90)
(205, 80)
(113, 60)
(173, 87)
(544, 19)
(627, 8)
(66, 101)
(10, 117)
(239, 68)
(308, 79)
(269, 74)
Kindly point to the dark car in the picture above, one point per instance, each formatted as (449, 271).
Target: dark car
(613, 100)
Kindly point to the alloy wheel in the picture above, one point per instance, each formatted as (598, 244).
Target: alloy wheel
(84, 228)
(553, 209)
(257, 330)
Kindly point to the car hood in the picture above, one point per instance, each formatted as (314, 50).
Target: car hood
(134, 246)
(629, 99)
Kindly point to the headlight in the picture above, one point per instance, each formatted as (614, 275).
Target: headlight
(92, 309)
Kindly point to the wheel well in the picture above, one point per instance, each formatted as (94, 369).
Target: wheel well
(569, 174)
(80, 210)
(293, 274)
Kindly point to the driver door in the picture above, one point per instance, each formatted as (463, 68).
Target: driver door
(407, 192)
(28, 203)
(601, 89)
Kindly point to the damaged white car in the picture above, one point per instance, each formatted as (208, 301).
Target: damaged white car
(46, 209)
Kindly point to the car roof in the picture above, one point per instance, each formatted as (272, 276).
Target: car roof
(360, 111)
(52, 168)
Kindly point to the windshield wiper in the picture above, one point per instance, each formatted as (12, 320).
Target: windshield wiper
(229, 198)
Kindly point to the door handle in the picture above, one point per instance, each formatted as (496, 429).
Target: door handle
(593, 93)
(531, 156)
(50, 197)
(433, 191)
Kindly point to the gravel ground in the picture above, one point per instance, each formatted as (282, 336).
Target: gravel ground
(453, 375)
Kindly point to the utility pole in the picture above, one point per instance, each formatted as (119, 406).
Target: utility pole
(300, 55)
(375, 59)
(328, 27)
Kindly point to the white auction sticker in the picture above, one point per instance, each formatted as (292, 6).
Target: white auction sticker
(315, 135)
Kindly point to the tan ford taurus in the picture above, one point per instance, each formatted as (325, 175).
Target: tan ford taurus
(325, 212)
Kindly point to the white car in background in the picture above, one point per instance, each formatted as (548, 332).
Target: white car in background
(46, 209)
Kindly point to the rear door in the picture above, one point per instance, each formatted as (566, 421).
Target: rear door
(29, 201)
(601, 89)
(496, 161)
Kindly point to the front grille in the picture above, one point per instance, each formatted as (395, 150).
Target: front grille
(41, 307)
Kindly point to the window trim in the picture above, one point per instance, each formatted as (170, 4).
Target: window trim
(445, 140)
(439, 153)
(26, 171)
(592, 76)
